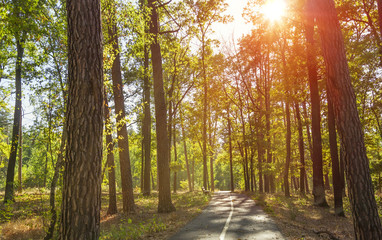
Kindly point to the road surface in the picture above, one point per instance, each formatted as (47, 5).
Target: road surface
(230, 216)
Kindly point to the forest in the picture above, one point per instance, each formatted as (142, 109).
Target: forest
(123, 112)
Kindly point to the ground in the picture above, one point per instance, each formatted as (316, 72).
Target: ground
(295, 216)
(298, 219)
(27, 218)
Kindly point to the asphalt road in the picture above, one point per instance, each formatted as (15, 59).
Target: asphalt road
(230, 216)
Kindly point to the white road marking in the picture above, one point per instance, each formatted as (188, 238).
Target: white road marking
(222, 235)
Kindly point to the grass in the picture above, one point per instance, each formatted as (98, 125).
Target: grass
(28, 217)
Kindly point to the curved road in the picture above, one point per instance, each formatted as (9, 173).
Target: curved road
(230, 216)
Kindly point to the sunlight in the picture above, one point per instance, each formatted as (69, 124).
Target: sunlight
(274, 10)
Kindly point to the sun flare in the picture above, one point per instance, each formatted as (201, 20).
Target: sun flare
(274, 10)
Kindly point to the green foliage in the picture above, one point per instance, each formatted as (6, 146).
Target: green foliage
(130, 230)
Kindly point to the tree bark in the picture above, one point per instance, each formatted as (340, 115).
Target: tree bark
(165, 203)
(230, 152)
(318, 178)
(146, 128)
(288, 124)
(112, 209)
(205, 116)
(81, 193)
(20, 189)
(52, 195)
(123, 137)
(9, 185)
(366, 220)
(337, 184)
(175, 158)
(185, 153)
(301, 149)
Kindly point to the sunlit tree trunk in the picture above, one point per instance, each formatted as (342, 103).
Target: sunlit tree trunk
(123, 137)
(367, 224)
(185, 153)
(205, 115)
(175, 158)
(301, 149)
(165, 203)
(288, 123)
(230, 152)
(9, 185)
(146, 125)
(318, 180)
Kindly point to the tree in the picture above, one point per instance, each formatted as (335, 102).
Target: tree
(112, 209)
(165, 203)
(206, 13)
(146, 124)
(366, 220)
(318, 180)
(123, 138)
(81, 194)
(337, 183)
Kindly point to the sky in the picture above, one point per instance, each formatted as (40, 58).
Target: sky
(237, 27)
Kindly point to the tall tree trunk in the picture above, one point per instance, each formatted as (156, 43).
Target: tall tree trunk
(318, 181)
(112, 209)
(53, 184)
(185, 153)
(164, 204)
(123, 138)
(9, 191)
(288, 149)
(211, 157)
(267, 100)
(301, 149)
(288, 124)
(175, 158)
(337, 184)
(367, 224)
(205, 115)
(146, 126)
(230, 151)
(81, 193)
(20, 154)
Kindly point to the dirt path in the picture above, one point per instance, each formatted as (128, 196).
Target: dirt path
(230, 216)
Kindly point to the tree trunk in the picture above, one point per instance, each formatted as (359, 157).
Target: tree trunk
(164, 204)
(52, 195)
(185, 153)
(205, 115)
(366, 220)
(211, 158)
(337, 184)
(318, 181)
(20, 154)
(301, 149)
(146, 126)
(175, 158)
(123, 138)
(81, 193)
(230, 152)
(112, 209)
(9, 185)
(259, 155)
(288, 127)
